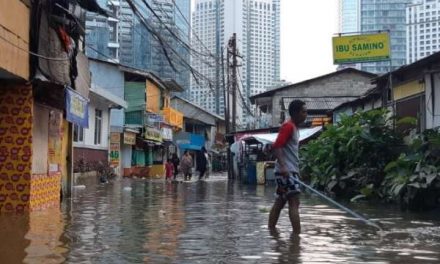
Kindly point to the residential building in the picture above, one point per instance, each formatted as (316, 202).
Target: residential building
(151, 120)
(101, 141)
(369, 16)
(256, 24)
(415, 92)
(201, 128)
(40, 100)
(340, 87)
(423, 31)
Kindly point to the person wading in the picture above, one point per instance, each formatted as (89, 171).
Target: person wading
(287, 167)
(175, 160)
(186, 164)
(202, 162)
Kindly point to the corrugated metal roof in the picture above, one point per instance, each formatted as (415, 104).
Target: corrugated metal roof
(319, 103)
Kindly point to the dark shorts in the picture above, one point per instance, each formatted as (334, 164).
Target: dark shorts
(287, 186)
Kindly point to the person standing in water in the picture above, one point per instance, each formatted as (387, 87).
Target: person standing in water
(202, 162)
(186, 165)
(287, 167)
(175, 160)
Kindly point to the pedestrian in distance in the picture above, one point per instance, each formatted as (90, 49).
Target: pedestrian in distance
(287, 167)
(176, 161)
(186, 164)
(169, 170)
(202, 162)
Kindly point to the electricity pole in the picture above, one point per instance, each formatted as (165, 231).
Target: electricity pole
(233, 52)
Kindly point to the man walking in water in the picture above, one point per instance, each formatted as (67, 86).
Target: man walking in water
(287, 166)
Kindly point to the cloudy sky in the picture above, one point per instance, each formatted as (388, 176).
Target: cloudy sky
(307, 27)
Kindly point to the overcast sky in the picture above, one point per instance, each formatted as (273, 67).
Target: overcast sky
(307, 27)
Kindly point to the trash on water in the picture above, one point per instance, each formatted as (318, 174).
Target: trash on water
(263, 209)
(162, 213)
(79, 186)
(127, 189)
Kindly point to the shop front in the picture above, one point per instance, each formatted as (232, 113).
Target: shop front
(155, 152)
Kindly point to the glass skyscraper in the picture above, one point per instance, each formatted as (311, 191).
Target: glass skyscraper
(124, 37)
(369, 16)
(423, 31)
(256, 24)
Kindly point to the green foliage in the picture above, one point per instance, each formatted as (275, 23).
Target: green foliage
(413, 178)
(352, 154)
(363, 157)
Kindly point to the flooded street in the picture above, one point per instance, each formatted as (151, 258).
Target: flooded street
(213, 221)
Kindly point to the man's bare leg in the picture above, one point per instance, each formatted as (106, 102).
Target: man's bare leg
(294, 214)
(275, 212)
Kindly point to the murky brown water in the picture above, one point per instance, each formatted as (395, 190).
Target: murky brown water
(209, 222)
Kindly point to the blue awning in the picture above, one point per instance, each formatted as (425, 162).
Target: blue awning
(190, 147)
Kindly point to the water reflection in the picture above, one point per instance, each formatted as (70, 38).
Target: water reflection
(209, 222)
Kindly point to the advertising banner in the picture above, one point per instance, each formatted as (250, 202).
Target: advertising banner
(77, 110)
(129, 138)
(115, 149)
(153, 134)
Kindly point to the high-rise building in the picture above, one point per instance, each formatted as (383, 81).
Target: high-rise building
(369, 16)
(256, 24)
(102, 33)
(125, 37)
(423, 31)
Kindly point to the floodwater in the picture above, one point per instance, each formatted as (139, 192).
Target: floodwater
(213, 221)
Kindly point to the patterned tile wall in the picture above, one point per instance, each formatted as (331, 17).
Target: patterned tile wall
(16, 105)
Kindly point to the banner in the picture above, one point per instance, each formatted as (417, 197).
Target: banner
(153, 134)
(55, 141)
(167, 133)
(115, 139)
(361, 48)
(77, 110)
(129, 138)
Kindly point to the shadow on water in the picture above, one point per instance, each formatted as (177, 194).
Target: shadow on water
(212, 221)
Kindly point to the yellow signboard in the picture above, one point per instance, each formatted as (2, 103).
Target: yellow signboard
(361, 48)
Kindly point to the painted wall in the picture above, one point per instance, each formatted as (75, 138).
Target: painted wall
(89, 133)
(88, 150)
(408, 89)
(153, 97)
(47, 137)
(16, 107)
(107, 76)
(14, 26)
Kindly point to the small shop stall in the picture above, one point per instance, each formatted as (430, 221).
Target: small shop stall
(253, 156)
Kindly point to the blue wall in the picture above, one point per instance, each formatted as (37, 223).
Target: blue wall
(108, 76)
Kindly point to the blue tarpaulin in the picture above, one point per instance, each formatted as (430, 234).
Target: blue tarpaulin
(195, 142)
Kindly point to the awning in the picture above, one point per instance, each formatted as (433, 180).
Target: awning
(108, 97)
(304, 133)
(190, 147)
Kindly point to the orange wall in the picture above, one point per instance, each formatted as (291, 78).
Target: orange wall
(14, 27)
(16, 109)
(153, 97)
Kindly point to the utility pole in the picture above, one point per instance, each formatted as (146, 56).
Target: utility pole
(233, 48)
(217, 51)
(225, 92)
(226, 107)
